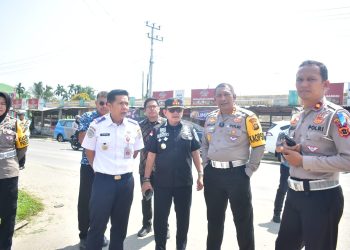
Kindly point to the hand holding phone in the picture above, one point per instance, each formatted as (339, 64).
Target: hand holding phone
(289, 141)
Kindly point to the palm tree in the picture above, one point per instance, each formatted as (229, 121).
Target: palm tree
(60, 91)
(48, 93)
(20, 90)
(38, 90)
(77, 89)
(71, 90)
(90, 91)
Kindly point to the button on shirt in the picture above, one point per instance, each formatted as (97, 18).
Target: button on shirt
(85, 121)
(114, 145)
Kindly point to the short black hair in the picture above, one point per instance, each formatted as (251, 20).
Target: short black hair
(149, 100)
(321, 66)
(113, 93)
(223, 85)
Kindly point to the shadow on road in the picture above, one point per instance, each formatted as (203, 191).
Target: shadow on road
(133, 242)
(75, 247)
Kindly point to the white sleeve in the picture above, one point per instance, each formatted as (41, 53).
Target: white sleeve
(90, 138)
(138, 140)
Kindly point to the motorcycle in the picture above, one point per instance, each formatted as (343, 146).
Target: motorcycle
(74, 142)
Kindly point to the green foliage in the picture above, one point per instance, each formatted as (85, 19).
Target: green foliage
(20, 90)
(27, 206)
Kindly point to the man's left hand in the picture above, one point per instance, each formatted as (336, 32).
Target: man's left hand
(200, 183)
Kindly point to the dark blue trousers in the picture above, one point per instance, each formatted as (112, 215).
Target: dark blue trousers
(112, 199)
(163, 197)
(311, 219)
(282, 189)
(8, 208)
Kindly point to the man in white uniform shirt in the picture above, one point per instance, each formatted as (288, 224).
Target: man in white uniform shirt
(112, 142)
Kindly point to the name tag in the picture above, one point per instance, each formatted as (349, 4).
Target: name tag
(105, 134)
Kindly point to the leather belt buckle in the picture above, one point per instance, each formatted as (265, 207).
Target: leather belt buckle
(117, 177)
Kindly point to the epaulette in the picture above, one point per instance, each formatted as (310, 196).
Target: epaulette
(132, 121)
(213, 113)
(100, 119)
(143, 121)
(333, 106)
(246, 111)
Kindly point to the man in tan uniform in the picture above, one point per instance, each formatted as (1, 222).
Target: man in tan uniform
(232, 147)
(315, 200)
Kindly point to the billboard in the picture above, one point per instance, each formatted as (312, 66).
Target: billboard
(33, 103)
(17, 103)
(335, 93)
(162, 96)
(202, 97)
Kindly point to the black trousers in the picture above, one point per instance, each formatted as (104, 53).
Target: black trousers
(221, 186)
(86, 179)
(8, 208)
(311, 219)
(163, 197)
(110, 199)
(146, 207)
(282, 189)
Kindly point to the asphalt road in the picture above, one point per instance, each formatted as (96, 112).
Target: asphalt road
(52, 174)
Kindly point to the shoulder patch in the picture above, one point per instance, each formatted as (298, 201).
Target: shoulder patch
(100, 119)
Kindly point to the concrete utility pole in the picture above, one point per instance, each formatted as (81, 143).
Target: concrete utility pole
(152, 37)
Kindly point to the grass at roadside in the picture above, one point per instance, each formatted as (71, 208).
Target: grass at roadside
(27, 206)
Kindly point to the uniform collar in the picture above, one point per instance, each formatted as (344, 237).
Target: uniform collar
(318, 106)
(235, 108)
(109, 120)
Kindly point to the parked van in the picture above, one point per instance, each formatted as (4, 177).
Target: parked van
(64, 130)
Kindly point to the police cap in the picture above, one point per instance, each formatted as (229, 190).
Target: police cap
(173, 103)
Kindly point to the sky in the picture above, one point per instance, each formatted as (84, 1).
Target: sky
(254, 45)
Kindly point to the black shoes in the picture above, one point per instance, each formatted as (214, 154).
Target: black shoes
(144, 231)
(276, 219)
(82, 244)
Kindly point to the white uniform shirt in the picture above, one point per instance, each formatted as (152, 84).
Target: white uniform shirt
(114, 145)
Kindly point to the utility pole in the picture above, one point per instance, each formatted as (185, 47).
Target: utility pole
(152, 37)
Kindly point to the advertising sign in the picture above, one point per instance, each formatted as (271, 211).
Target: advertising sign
(202, 97)
(33, 103)
(348, 95)
(163, 95)
(293, 98)
(335, 93)
(17, 103)
(180, 94)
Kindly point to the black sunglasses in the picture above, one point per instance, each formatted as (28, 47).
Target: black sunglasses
(102, 103)
(172, 110)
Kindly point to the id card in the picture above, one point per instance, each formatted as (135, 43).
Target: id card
(127, 152)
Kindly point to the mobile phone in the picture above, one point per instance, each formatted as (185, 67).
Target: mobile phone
(289, 141)
(148, 194)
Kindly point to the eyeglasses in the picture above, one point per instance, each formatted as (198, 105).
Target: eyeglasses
(152, 106)
(172, 110)
(102, 103)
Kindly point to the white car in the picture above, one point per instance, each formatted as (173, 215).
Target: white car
(272, 134)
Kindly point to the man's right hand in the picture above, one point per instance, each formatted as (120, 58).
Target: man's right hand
(145, 186)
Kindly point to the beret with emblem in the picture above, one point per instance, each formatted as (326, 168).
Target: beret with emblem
(173, 103)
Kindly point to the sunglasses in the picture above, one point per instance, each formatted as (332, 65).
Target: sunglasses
(102, 103)
(172, 110)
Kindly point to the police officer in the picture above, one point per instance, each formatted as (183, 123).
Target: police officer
(151, 107)
(25, 124)
(315, 201)
(86, 171)
(232, 147)
(172, 146)
(13, 145)
(112, 142)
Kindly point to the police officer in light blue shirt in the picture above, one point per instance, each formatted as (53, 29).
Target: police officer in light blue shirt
(112, 142)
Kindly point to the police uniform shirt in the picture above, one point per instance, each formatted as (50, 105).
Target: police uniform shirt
(230, 137)
(173, 146)
(146, 127)
(114, 145)
(84, 124)
(324, 135)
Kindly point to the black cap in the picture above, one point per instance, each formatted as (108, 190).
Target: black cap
(173, 103)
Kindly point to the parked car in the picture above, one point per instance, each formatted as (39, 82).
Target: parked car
(64, 130)
(272, 134)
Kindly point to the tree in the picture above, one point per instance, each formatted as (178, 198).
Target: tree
(77, 89)
(60, 91)
(71, 90)
(20, 90)
(38, 90)
(81, 96)
(48, 93)
(90, 91)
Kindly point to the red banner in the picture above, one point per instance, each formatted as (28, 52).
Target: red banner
(17, 103)
(163, 95)
(335, 93)
(202, 97)
(33, 103)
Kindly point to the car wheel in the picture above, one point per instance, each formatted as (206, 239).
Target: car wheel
(60, 138)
